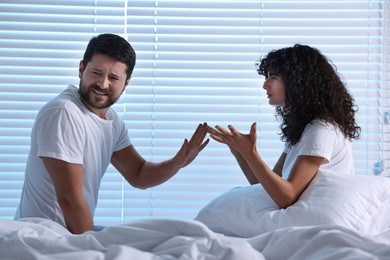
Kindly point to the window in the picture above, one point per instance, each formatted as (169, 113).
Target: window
(195, 64)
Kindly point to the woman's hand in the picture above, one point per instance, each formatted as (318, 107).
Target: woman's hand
(244, 144)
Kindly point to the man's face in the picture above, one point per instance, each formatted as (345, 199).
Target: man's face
(102, 82)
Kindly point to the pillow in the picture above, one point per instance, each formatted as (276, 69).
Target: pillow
(357, 202)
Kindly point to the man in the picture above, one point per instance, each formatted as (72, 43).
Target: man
(77, 135)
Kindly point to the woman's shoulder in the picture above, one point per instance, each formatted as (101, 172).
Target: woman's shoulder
(321, 128)
(321, 124)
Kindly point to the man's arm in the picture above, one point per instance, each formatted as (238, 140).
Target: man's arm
(141, 173)
(144, 174)
(68, 183)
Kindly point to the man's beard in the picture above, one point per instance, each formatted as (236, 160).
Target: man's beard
(86, 96)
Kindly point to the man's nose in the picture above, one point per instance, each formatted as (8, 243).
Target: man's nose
(103, 82)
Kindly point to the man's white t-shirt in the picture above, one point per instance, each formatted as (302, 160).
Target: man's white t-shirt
(324, 140)
(66, 130)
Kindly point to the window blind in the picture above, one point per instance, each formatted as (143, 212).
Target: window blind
(195, 64)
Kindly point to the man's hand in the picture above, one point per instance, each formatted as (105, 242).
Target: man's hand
(190, 149)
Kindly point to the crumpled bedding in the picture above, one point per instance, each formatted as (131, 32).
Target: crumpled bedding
(321, 242)
(142, 239)
(145, 239)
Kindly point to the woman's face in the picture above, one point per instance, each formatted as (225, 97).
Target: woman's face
(275, 90)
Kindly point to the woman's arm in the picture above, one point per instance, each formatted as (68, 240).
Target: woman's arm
(246, 169)
(283, 192)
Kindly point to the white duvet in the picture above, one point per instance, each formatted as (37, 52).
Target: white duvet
(143, 239)
(177, 239)
(321, 242)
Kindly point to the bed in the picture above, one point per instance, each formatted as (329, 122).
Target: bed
(337, 217)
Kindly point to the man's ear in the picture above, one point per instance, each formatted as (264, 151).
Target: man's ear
(127, 81)
(81, 69)
(126, 84)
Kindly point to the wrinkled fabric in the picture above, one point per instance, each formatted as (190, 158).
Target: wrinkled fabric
(170, 239)
(143, 239)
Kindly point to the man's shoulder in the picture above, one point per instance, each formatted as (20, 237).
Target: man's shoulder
(66, 100)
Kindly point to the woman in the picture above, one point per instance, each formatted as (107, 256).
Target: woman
(318, 124)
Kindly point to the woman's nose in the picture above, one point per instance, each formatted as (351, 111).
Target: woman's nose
(265, 84)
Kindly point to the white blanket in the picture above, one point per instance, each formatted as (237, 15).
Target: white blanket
(321, 242)
(177, 239)
(143, 239)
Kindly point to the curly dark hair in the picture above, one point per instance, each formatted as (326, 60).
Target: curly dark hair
(313, 89)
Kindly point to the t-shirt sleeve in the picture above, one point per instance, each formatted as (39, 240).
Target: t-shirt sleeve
(60, 135)
(123, 136)
(318, 140)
